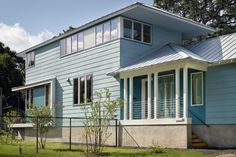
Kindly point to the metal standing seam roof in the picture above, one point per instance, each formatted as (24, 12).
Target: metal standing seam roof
(213, 50)
(216, 49)
(167, 53)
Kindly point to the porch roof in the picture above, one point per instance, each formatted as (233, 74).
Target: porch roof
(14, 89)
(168, 53)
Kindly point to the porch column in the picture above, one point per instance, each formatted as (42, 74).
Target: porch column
(125, 98)
(149, 96)
(155, 94)
(177, 93)
(131, 98)
(185, 101)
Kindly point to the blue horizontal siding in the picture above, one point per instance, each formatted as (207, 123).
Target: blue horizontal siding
(97, 61)
(221, 94)
(132, 50)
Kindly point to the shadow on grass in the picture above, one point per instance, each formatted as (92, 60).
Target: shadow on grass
(68, 150)
(134, 154)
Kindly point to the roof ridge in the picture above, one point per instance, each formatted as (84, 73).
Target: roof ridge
(186, 53)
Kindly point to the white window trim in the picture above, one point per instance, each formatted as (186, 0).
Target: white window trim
(193, 105)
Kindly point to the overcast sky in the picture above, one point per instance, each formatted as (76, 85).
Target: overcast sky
(24, 23)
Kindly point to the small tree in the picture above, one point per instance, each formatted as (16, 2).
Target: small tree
(9, 119)
(41, 117)
(98, 115)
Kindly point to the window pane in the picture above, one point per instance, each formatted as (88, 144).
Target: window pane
(75, 83)
(32, 58)
(146, 34)
(114, 29)
(28, 60)
(89, 38)
(127, 29)
(82, 92)
(81, 41)
(99, 34)
(74, 43)
(31, 98)
(47, 95)
(197, 89)
(137, 31)
(27, 99)
(63, 47)
(106, 32)
(89, 88)
(68, 45)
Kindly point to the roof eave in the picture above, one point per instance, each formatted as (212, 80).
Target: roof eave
(112, 15)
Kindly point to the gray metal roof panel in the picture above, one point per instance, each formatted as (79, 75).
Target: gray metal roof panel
(216, 49)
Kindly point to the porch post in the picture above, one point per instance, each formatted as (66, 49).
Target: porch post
(149, 96)
(155, 94)
(131, 98)
(125, 98)
(185, 92)
(177, 93)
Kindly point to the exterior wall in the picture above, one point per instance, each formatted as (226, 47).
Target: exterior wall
(217, 136)
(132, 50)
(97, 61)
(221, 94)
(169, 136)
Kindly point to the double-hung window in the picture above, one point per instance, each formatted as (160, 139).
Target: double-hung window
(197, 89)
(83, 89)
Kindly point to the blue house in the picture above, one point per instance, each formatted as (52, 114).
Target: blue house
(177, 95)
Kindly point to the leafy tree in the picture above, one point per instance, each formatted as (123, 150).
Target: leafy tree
(42, 118)
(10, 118)
(219, 14)
(11, 71)
(98, 116)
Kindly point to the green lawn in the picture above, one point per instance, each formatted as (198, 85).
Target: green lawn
(61, 150)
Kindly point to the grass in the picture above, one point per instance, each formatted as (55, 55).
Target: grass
(61, 150)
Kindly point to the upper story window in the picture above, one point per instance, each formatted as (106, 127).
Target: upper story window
(99, 32)
(30, 59)
(137, 31)
(106, 32)
(114, 29)
(127, 28)
(91, 37)
(197, 89)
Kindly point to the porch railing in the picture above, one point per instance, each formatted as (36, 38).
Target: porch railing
(166, 108)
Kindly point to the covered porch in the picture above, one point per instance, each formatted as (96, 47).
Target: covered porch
(158, 90)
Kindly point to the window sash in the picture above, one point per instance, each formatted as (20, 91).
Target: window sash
(128, 28)
(82, 91)
(30, 59)
(197, 89)
(75, 91)
(106, 31)
(114, 29)
(74, 43)
(99, 34)
(137, 32)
